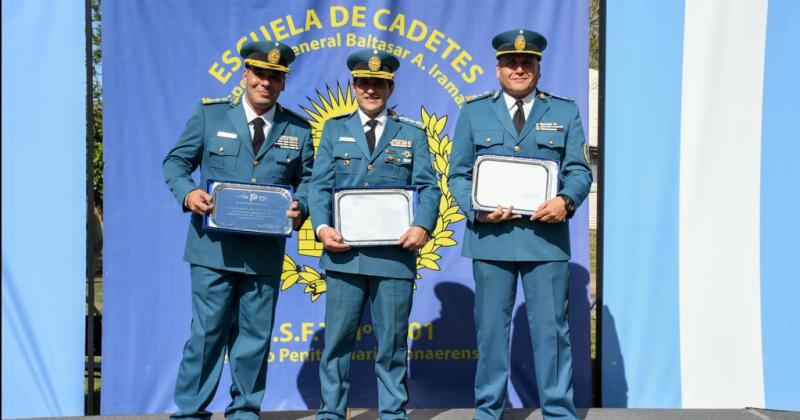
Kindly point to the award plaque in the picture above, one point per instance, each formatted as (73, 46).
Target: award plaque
(373, 216)
(524, 183)
(255, 209)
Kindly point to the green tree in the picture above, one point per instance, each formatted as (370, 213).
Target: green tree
(594, 33)
(97, 104)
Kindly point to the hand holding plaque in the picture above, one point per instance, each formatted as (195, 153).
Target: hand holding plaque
(507, 181)
(199, 202)
(255, 209)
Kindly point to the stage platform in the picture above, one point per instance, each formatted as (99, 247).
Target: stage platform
(514, 414)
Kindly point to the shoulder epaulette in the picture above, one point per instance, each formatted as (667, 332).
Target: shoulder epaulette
(345, 115)
(547, 94)
(409, 121)
(211, 101)
(292, 113)
(488, 93)
(397, 117)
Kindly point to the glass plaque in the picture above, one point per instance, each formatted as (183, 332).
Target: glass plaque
(250, 208)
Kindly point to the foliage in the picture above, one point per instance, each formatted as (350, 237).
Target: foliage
(97, 104)
(594, 33)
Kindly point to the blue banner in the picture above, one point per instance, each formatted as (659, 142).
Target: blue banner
(160, 58)
(44, 208)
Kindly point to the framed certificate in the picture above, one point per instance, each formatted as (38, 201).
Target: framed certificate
(524, 183)
(256, 209)
(373, 216)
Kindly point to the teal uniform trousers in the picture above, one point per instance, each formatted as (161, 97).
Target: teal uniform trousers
(235, 277)
(538, 252)
(382, 275)
(390, 306)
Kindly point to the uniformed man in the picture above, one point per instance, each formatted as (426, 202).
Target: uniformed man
(521, 121)
(235, 277)
(370, 147)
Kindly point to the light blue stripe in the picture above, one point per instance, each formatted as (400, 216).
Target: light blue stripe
(44, 207)
(780, 208)
(641, 335)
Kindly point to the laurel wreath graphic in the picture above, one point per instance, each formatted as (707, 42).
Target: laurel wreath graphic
(440, 147)
(338, 101)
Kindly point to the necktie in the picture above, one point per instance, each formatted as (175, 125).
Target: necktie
(519, 117)
(258, 134)
(371, 135)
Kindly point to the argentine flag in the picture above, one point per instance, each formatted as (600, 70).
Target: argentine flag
(701, 204)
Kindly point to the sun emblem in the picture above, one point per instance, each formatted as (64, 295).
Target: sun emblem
(374, 63)
(274, 56)
(519, 43)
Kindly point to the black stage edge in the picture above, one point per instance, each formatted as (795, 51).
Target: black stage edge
(513, 414)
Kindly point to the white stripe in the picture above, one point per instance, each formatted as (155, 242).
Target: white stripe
(720, 303)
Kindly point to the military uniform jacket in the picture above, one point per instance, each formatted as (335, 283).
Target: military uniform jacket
(400, 159)
(217, 139)
(552, 131)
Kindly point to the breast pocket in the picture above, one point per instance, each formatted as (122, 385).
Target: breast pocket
(346, 160)
(400, 169)
(550, 144)
(489, 142)
(282, 162)
(347, 163)
(222, 153)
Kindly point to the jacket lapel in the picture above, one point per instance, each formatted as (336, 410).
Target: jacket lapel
(501, 112)
(540, 107)
(279, 123)
(239, 121)
(356, 130)
(392, 127)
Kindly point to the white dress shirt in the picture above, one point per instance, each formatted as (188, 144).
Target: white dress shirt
(381, 119)
(250, 115)
(527, 104)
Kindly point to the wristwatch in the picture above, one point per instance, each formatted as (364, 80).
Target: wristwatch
(569, 205)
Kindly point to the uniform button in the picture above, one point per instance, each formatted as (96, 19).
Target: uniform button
(366, 184)
(252, 180)
(369, 167)
(288, 160)
(516, 148)
(551, 141)
(346, 162)
(221, 149)
(255, 162)
(347, 155)
(488, 139)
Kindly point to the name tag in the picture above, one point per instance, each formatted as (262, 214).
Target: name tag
(287, 142)
(226, 134)
(549, 127)
(400, 143)
(347, 139)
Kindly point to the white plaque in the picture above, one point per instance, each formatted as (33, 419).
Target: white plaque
(523, 183)
(374, 216)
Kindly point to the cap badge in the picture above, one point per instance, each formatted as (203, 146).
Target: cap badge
(519, 43)
(274, 56)
(374, 63)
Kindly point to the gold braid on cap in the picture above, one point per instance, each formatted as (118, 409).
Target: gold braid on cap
(536, 53)
(377, 74)
(265, 65)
